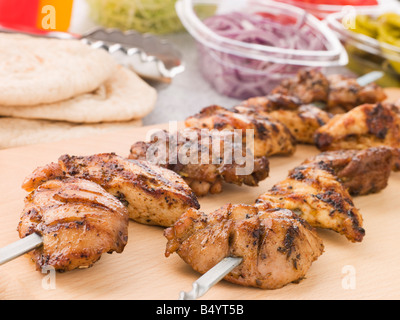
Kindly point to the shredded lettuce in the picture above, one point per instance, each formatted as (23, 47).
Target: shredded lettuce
(145, 16)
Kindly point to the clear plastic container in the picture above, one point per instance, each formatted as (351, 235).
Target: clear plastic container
(145, 16)
(321, 11)
(366, 53)
(241, 69)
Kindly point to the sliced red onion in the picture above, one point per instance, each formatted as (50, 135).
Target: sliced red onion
(242, 78)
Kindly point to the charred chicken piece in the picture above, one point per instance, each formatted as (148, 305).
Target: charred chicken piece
(204, 159)
(345, 94)
(270, 136)
(152, 195)
(339, 93)
(78, 220)
(319, 198)
(272, 102)
(309, 86)
(277, 246)
(361, 128)
(301, 120)
(362, 172)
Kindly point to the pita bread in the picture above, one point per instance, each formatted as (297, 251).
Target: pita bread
(21, 132)
(40, 70)
(123, 97)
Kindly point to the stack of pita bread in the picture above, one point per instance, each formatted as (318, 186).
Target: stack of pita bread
(52, 89)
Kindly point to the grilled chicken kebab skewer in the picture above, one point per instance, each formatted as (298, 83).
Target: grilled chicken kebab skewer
(151, 194)
(277, 121)
(69, 224)
(277, 246)
(268, 117)
(291, 105)
(79, 208)
(275, 238)
(78, 221)
(338, 93)
(71, 184)
(205, 159)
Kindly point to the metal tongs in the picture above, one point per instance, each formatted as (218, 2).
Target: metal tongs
(150, 57)
(146, 54)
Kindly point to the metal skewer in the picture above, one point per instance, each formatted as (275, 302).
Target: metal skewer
(20, 247)
(211, 278)
(370, 78)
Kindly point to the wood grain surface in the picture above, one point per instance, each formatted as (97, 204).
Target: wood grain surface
(345, 271)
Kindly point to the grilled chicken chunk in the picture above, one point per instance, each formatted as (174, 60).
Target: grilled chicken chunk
(309, 86)
(78, 220)
(318, 197)
(320, 189)
(361, 172)
(270, 137)
(204, 159)
(272, 102)
(276, 245)
(339, 93)
(345, 94)
(361, 128)
(152, 195)
(301, 120)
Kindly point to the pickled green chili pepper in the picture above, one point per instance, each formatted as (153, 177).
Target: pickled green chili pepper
(367, 26)
(385, 29)
(391, 18)
(389, 33)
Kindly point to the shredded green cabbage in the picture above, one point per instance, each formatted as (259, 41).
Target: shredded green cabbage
(145, 16)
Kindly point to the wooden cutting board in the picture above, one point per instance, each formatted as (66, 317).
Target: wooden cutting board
(346, 271)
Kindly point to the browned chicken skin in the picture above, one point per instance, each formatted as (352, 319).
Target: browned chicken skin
(318, 197)
(309, 86)
(301, 120)
(270, 137)
(78, 220)
(345, 94)
(206, 171)
(291, 104)
(277, 246)
(362, 172)
(363, 127)
(152, 195)
(339, 93)
(320, 189)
